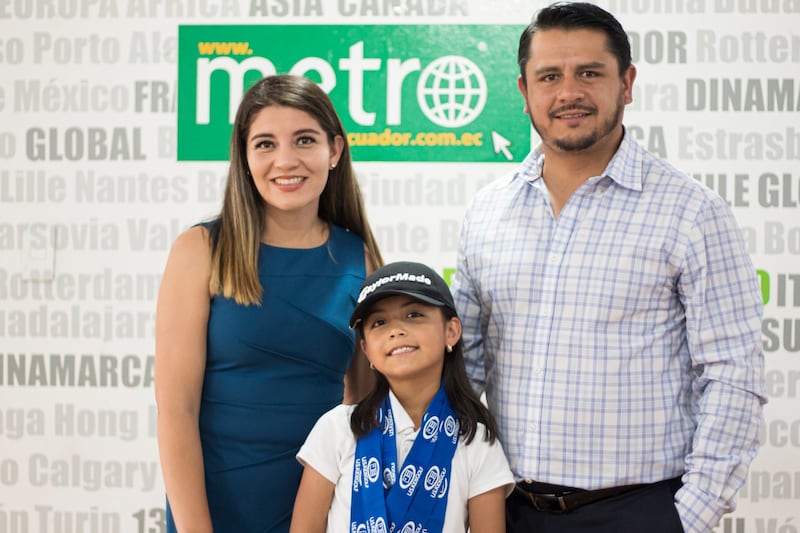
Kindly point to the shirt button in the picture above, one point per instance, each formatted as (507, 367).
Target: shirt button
(553, 259)
(538, 371)
(532, 427)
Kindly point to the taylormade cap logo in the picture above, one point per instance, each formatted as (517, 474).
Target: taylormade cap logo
(405, 276)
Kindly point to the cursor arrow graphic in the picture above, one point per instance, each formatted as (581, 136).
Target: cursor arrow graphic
(501, 144)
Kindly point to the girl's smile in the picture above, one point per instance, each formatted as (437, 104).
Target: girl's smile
(405, 339)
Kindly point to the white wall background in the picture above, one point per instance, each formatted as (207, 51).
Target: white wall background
(84, 232)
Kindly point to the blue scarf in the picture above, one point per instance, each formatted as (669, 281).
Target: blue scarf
(417, 501)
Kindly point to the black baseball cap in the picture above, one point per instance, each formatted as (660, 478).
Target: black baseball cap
(402, 278)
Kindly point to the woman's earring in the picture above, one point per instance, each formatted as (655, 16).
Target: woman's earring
(371, 366)
(333, 165)
(449, 348)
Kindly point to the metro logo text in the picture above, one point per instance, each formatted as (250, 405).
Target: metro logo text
(448, 91)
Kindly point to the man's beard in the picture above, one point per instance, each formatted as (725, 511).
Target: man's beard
(589, 140)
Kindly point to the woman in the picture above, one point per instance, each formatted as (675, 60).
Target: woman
(252, 339)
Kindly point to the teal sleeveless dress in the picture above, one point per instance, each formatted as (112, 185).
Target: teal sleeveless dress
(271, 372)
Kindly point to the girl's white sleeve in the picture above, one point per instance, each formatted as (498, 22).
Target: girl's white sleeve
(488, 465)
(325, 445)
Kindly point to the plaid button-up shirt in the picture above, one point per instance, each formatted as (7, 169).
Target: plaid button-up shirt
(619, 342)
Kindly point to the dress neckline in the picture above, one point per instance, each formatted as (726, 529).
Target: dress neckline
(325, 244)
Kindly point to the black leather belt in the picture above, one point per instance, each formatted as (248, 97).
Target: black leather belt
(568, 500)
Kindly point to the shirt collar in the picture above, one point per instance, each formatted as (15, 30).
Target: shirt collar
(625, 167)
(402, 421)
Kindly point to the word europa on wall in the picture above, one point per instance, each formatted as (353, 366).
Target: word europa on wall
(111, 9)
(140, 9)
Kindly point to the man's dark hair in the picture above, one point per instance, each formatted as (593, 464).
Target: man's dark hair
(574, 16)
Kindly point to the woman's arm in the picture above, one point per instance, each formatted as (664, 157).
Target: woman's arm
(312, 504)
(181, 325)
(487, 511)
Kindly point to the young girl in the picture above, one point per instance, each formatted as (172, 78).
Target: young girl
(420, 452)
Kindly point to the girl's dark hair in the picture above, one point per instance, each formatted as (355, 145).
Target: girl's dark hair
(465, 402)
(576, 16)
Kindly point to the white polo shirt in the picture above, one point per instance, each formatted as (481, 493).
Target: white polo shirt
(330, 449)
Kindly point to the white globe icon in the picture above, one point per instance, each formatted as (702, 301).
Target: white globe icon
(451, 91)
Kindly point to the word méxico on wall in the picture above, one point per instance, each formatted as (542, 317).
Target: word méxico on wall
(404, 93)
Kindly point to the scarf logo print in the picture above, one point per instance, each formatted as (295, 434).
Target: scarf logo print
(451, 428)
(409, 478)
(367, 471)
(411, 527)
(374, 526)
(372, 470)
(436, 482)
(378, 525)
(400, 507)
(431, 429)
(357, 481)
(389, 476)
(387, 422)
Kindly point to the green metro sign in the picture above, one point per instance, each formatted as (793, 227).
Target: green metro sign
(404, 93)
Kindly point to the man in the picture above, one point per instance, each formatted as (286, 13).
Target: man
(611, 313)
